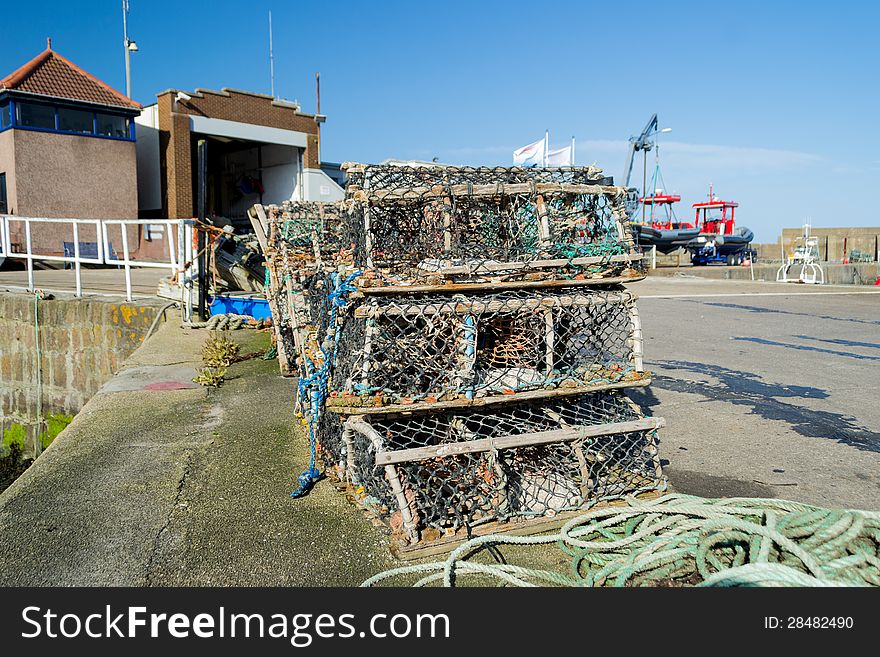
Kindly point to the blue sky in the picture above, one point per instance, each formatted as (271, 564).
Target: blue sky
(775, 103)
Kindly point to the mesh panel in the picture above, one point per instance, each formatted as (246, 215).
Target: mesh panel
(438, 348)
(395, 176)
(424, 235)
(456, 490)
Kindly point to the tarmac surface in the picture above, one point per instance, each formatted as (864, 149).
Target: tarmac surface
(768, 390)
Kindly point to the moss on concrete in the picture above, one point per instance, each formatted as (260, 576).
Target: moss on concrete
(14, 434)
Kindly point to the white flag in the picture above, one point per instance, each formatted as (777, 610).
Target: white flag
(559, 158)
(531, 154)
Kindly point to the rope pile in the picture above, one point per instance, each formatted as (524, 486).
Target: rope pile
(222, 322)
(680, 540)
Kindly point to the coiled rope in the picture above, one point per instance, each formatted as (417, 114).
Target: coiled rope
(224, 321)
(686, 540)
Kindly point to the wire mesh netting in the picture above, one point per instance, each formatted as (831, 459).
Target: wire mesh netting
(458, 332)
(416, 226)
(436, 348)
(463, 468)
(505, 233)
(396, 176)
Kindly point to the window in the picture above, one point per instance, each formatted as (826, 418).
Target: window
(65, 119)
(3, 204)
(32, 115)
(73, 120)
(110, 125)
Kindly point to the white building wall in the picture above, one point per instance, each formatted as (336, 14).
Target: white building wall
(280, 173)
(318, 186)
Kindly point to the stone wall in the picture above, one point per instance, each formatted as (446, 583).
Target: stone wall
(82, 344)
(832, 241)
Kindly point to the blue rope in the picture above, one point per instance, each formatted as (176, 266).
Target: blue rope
(315, 387)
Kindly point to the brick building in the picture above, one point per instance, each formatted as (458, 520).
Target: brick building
(259, 150)
(67, 148)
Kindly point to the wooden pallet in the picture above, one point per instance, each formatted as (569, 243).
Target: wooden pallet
(484, 401)
(496, 286)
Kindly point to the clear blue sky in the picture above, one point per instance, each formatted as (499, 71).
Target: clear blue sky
(775, 103)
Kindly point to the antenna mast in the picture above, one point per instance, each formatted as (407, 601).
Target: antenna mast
(271, 56)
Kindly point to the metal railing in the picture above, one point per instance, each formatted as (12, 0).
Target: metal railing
(178, 235)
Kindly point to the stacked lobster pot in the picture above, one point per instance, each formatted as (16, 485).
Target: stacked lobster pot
(463, 340)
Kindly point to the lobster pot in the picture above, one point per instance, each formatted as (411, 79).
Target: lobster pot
(522, 232)
(425, 350)
(290, 314)
(302, 238)
(463, 468)
(305, 235)
(397, 176)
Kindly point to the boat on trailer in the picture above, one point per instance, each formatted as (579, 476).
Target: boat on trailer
(662, 229)
(719, 240)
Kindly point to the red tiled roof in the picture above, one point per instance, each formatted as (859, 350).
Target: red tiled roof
(50, 74)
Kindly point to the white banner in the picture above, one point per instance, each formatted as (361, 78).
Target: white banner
(559, 158)
(531, 154)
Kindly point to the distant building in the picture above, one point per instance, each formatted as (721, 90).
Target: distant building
(259, 150)
(335, 172)
(67, 147)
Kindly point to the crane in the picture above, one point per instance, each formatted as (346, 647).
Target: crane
(640, 143)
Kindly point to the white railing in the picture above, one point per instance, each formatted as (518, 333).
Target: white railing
(178, 235)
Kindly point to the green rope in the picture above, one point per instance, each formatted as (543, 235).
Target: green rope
(685, 540)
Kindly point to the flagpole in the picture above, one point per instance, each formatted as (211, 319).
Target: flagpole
(546, 146)
(572, 150)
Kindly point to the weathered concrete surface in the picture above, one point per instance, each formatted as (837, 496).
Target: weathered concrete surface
(182, 487)
(832, 240)
(98, 282)
(82, 343)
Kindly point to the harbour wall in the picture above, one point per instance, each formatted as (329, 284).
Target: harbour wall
(862, 273)
(56, 352)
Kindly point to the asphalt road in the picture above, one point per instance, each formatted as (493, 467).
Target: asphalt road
(768, 390)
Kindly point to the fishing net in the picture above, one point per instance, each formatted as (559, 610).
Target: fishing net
(457, 469)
